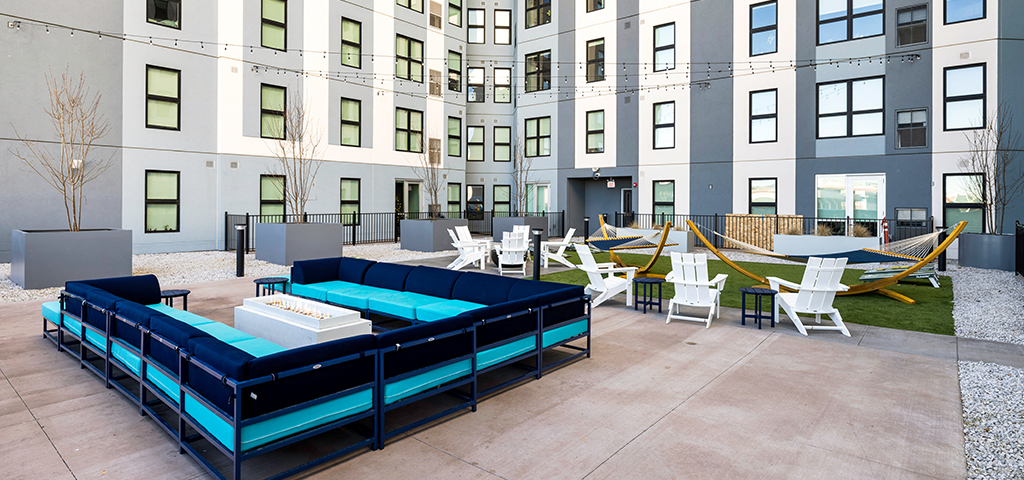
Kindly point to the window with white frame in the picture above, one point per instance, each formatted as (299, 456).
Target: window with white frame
(664, 125)
(665, 47)
(851, 108)
(764, 116)
(964, 97)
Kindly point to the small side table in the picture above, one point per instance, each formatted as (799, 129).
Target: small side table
(758, 315)
(647, 296)
(168, 297)
(268, 284)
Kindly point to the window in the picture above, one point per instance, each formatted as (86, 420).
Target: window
(664, 200)
(272, 105)
(409, 59)
(350, 201)
(272, 198)
(163, 190)
(538, 198)
(911, 25)
(593, 5)
(502, 199)
(415, 5)
(454, 71)
(841, 20)
(350, 120)
(164, 12)
(502, 85)
(538, 137)
(475, 202)
(912, 128)
(477, 25)
(665, 47)
(502, 144)
(851, 108)
(965, 97)
(351, 43)
(538, 71)
(503, 27)
(763, 116)
(595, 60)
(963, 197)
(163, 87)
(274, 28)
(454, 137)
(408, 130)
(475, 90)
(595, 131)
(964, 10)
(455, 12)
(454, 200)
(475, 144)
(763, 28)
(665, 125)
(763, 197)
(538, 12)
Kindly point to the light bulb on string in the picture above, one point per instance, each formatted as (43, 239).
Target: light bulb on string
(72, 32)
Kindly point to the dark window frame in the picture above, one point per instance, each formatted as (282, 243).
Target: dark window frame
(764, 116)
(476, 92)
(597, 62)
(495, 144)
(495, 202)
(284, 133)
(912, 126)
(595, 5)
(454, 75)
(409, 5)
(499, 27)
(151, 14)
(750, 195)
(849, 113)
(282, 202)
(848, 18)
(912, 24)
(408, 132)
(358, 123)
(590, 132)
(409, 59)
(774, 26)
(542, 68)
(981, 205)
(356, 202)
(657, 49)
(482, 143)
(982, 96)
(263, 20)
(176, 202)
(945, 16)
(176, 101)
(502, 85)
(458, 136)
(475, 215)
(657, 126)
(359, 58)
(471, 26)
(655, 204)
(539, 8)
(457, 203)
(537, 138)
(459, 7)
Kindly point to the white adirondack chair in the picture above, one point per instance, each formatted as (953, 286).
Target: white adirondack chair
(469, 253)
(690, 276)
(814, 295)
(512, 253)
(602, 277)
(558, 256)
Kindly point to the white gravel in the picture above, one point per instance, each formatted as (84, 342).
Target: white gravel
(993, 403)
(987, 304)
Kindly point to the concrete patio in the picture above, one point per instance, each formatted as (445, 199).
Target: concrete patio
(655, 401)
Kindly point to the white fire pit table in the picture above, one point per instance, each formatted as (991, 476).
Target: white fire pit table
(295, 322)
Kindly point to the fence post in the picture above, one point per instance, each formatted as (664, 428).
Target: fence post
(942, 256)
(561, 222)
(354, 217)
(249, 228)
(777, 224)
(715, 240)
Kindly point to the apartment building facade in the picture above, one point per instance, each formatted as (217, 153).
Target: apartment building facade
(828, 108)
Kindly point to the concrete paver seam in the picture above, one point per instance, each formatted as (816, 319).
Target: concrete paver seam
(34, 419)
(476, 466)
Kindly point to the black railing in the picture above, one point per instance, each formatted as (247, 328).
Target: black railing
(1020, 248)
(362, 228)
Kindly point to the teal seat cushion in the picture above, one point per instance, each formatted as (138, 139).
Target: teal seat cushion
(282, 426)
(180, 315)
(496, 355)
(224, 333)
(444, 309)
(400, 304)
(95, 338)
(556, 335)
(355, 296)
(319, 290)
(127, 357)
(407, 387)
(51, 312)
(258, 347)
(166, 384)
(72, 325)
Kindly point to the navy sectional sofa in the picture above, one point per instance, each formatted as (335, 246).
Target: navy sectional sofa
(203, 381)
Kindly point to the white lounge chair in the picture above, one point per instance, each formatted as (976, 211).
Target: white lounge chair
(814, 295)
(512, 253)
(559, 255)
(604, 286)
(469, 253)
(690, 276)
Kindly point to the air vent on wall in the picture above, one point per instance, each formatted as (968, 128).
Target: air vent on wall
(483, 121)
(627, 100)
(495, 180)
(641, 98)
(495, 120)
(628, 25)
(209, 164)
(965, 55)
(234, 165)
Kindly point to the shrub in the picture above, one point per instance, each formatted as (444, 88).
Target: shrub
(794, 230)
(823, 230)
(860, 231)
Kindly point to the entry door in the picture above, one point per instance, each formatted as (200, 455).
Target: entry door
(407, 198)
(865, 196)
(627, 207)
(857, 197)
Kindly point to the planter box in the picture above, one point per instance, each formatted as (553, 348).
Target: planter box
(504, 224)
(429, 235)
(49, 258)
(996, 252)
(820, 245)
(684, 238)
(284, 243)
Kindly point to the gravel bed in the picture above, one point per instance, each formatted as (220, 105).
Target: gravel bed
(987, 304)
(993, 403)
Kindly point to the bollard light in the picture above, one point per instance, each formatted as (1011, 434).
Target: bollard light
(239, 249)
(536, 253)
(586, 229)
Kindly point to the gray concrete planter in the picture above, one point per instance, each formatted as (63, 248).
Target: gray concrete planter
(820, 245)
(504, 224)
(48, 258)
(996, 252)
(284, 243)
(684, 238)
(429, 235)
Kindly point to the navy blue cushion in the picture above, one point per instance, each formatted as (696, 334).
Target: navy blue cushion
(74, 306)
(387, 275)
(314, 383)
(175, 331)
(135, 312)
(222, 357)
(408, 359)
(527, 288)
(103, 300)
(306, 272)
(547, 293)
(436, 282)
(501, 328)
(562, 313)
(144, 289)
(352, 270)
(482, 288)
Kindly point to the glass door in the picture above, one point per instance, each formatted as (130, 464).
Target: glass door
(860, 198)
(412, 200)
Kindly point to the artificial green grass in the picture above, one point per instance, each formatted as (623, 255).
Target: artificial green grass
(933, 312)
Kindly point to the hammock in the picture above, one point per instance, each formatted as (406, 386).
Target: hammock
(909, 249)
(606, 238)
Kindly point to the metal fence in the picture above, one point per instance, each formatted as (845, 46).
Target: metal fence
(1020, 248)
(374, 227)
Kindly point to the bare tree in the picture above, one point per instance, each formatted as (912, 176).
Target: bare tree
(298, 153)
(521, 169)
(428, 168)
(78, 123)
(992, 152)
